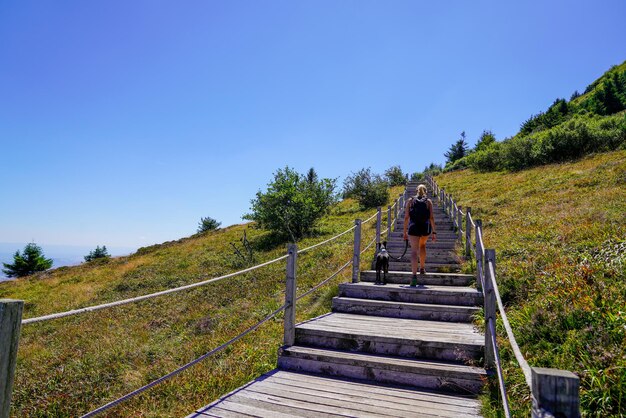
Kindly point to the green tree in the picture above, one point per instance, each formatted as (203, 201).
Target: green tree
(371, 190)
(293, 203)
(208, 224)
(97, 253)
(31, 261)
(457, 150)
(486, 139)
(395, 176)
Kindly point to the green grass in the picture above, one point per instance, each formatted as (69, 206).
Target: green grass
(70, 366)
(560, 237)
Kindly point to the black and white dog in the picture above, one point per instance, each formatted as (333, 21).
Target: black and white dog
(382, 263)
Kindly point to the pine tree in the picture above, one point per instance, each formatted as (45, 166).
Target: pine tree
(97, 253)
(31, 261)
(457, 150)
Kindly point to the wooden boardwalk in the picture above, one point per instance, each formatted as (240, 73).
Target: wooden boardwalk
(385, 350)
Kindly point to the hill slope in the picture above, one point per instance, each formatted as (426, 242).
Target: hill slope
(560, 237)
(69, 366)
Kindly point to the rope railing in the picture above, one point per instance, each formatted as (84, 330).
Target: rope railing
(509, 331)
(149, 296)
(543, 383)
(496, 354)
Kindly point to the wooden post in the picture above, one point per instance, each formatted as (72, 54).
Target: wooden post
(490, 308)
(379, 219)
(395, 209)
(10, 325)
(356, 256)
(388, 221)
(479, 256)
(468, 232)
(459, 222)
(290, 296)
(442, 199)
(555, 393)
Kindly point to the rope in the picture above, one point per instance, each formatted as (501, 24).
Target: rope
(370, 218)
(149, 296)
(479, 238)
(327, 241)
(471, 220)
(496, 355)
(518, 354)
(182, 368)
(311, 290)
(368, 245)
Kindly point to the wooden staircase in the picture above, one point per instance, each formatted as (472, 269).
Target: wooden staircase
(378, 337)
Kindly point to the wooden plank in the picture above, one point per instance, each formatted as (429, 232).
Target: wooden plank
(409, 397)
(361, 403)
(299, 407)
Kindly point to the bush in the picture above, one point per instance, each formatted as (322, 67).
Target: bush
(582, 134)
(395, 176)
(293, 203)
(371, 190)
(97, 253)
(30, 262)
(208, 224)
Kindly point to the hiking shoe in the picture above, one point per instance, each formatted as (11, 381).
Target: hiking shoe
(422, 271)
(414, 281)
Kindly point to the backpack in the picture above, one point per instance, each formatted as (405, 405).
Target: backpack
(419, 211)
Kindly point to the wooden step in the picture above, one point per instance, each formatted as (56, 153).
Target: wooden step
(431, 294)
(395, 309)
(283, 394)
(426, 374)
(430, 267)
(404, 277)
(392, 336)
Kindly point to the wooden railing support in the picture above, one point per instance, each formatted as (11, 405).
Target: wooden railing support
(480, 271)
(10, 326)
(356, 256)
(379, 219)
(468, 232)
(388, 221)
(459, 223)
(290, 296)
(490, 308)
(555, 393)
(395, 208)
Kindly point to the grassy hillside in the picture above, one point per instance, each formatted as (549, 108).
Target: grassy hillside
(560, 237)
(70, 366)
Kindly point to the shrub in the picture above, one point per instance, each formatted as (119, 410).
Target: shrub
(31, 261)
(292, 204)
(208, 224)
(97, 253)
(371, 190)
(395, 176)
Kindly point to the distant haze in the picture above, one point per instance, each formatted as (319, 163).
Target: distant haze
(62, 255)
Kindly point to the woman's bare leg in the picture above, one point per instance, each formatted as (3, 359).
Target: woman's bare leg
(422, 244)
(414, 248)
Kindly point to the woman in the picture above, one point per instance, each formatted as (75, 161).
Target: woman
(420, 222)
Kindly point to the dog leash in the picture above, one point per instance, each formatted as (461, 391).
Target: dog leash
(406, 246)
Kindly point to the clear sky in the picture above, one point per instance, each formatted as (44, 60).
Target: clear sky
(124, 122)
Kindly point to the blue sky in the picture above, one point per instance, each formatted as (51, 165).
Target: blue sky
(124, 122)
